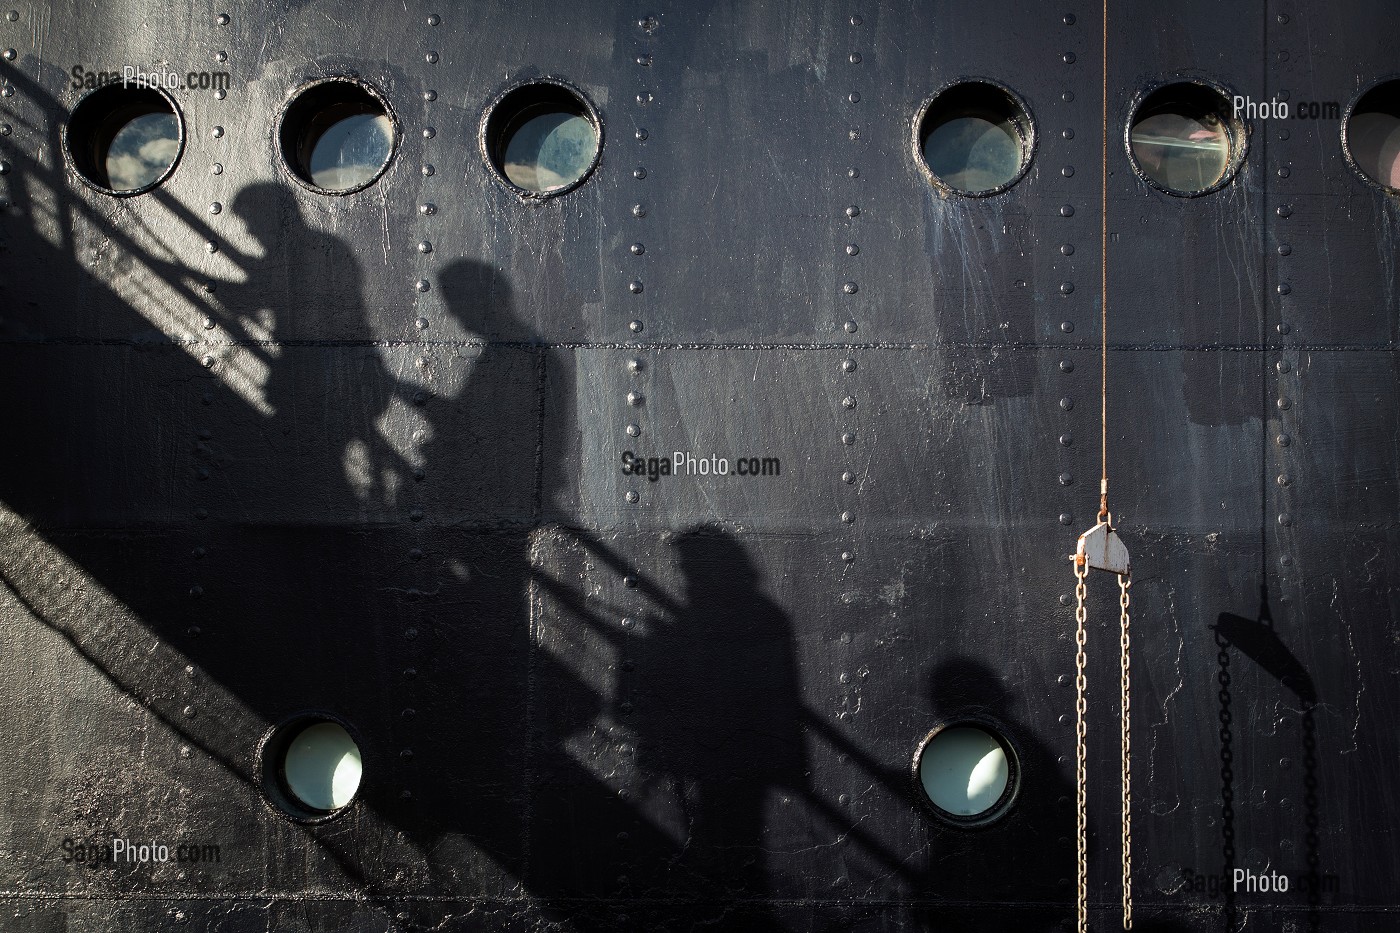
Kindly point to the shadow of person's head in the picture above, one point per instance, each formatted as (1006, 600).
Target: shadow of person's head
(478, 296)
(715, 564)
(268, 211)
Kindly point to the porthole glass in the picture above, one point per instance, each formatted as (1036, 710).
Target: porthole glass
(1185, 139)
(337, 136)
(966, 772)
(542, 138)
(124, 140)
(975, 138)
(321, 767)
(1372, 135)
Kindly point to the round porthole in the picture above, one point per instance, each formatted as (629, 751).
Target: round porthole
(1371, 135)
(124, 140)
(966, 773)
(337, 136)
(1184, 138)
(542, 138)
(311, 767)
(975, 138)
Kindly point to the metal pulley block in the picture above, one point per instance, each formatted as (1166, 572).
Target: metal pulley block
(1101, 548)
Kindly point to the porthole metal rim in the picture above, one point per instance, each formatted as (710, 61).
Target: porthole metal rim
(305, 88)
(1029, 137)
(125, 192)
(271, 776)
(590, 111)
(1344, 132)
(1004, 804)
(1238, 130)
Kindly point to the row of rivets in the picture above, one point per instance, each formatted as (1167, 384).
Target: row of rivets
(636, 365)
(1283, 399)
(849, 402)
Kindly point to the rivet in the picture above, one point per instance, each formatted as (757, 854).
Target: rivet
(851, 327)
(1282, 366)
(1066, 366)
(1066, 288)
(635, 365)
(415, 554)
(1283, 19)
(629, 581)
(1284, 288)
(6, 129)
(422, 285)
(642, 134)
(1067, 327)
(639, 210)
(427, 209)
(848, 477)
(1282, 95)
(216, 169)
(420, 398)
(1067, 97)
(848, 365)
(632, 496)
(636, 327)
(434, 19)
(634, 399)
(209, 323)
(853, 172)
(1065, 600)
(639, 172)
(848, 438)
(1286, 520)
(847, 556)
(637, 249)
(193, 631)
(855, 20)
(425, 247)
(207, 360)
(4, 168)
(206, 399)
(1284, 171)
(12, 16)
(1286, 560)
(1285, 328)
(854, 135)
(848, 402)
(216, 208)
(410, 632)
(1069, 58)
(189, 712)
(220, 57)
(430, 95)
(185, 752)
(633, 430)
(644, 60)
(1283, 440)
(1067, 404)
(1285, 210)
(853, 211)
(1284, 480)
(1067, 210)
(419, 474)
(196, 591)
(1067, 171)
(644, 99)
(431, 58)
(410, 672)
(416, 515)
(421, 323)
(1284, 404)
(850, 288)
(1067, 134)
(648, 23)
(854, 97)
(635, 287)
(855, 58)
(8, 91)
(1069, 19)
(198, 553)
(1067, 250)
(852, 249)
(848, 517)
(429, 170)
(217, 132)
(1066, 518)
(1066, 479)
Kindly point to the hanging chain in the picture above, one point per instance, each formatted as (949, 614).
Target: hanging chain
(1124, 581)
(1081, 571)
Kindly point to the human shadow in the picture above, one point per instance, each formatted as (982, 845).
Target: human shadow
(1257, 640)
